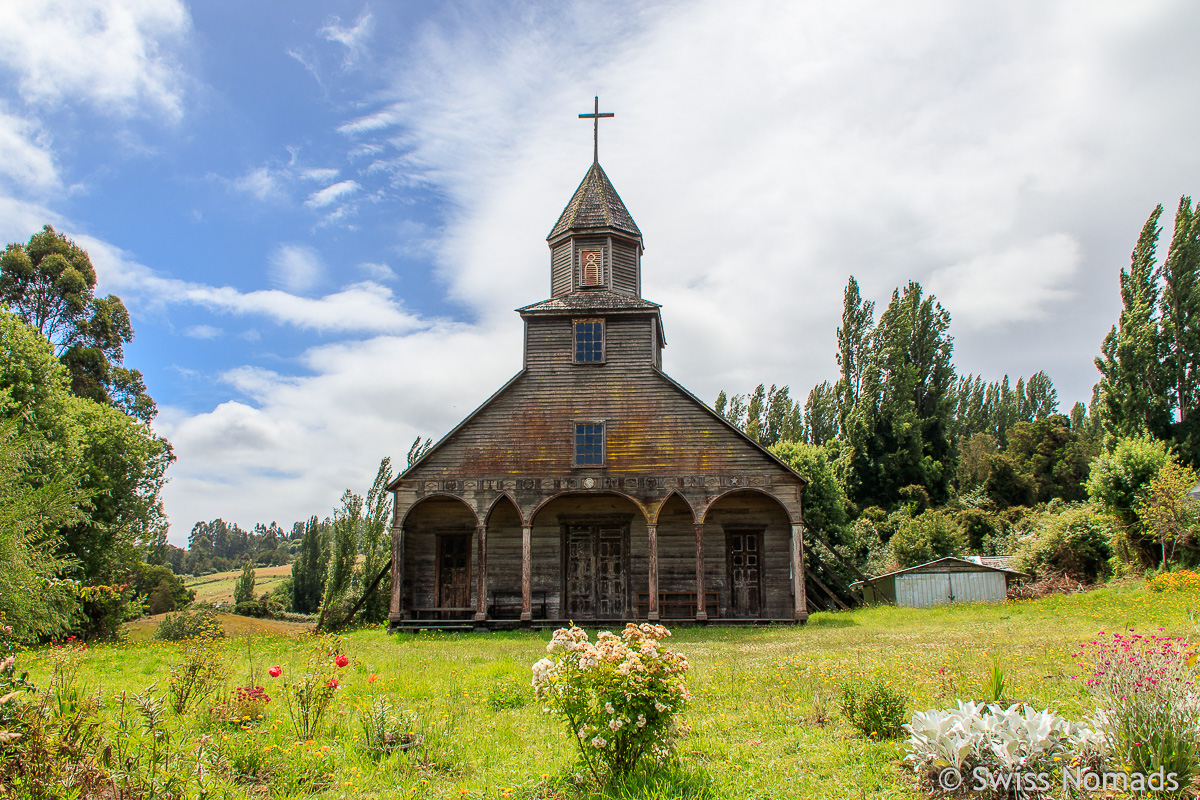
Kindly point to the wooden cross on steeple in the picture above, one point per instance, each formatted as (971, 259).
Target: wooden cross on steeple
(595, 117)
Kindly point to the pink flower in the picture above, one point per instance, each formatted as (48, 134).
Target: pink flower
(341, 661)
(275, 672)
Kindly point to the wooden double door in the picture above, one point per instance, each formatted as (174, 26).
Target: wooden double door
(596, 570)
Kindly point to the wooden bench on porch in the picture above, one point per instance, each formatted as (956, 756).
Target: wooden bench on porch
(508, 606)
(443, 612)
(677, 605)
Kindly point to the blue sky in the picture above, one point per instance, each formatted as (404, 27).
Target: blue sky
(322, 215)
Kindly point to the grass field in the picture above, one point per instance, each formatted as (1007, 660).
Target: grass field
(218, 587)
(759, 696)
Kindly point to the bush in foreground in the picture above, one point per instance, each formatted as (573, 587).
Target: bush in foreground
(622, 697)
(875, 708)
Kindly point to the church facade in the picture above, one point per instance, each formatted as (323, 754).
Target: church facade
(592, 487)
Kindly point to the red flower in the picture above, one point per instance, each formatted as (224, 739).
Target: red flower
(372, 678)
(332, 683)
(275, 672)
(341, 661)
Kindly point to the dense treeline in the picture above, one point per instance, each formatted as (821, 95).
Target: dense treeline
(80, 506)
(908, 460)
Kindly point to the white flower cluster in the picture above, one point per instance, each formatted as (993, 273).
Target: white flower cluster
(1007, 738)
(622, 695)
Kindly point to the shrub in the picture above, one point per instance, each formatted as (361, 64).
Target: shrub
(1017, 739)
(928, 536)
(200, 672)
(251, 608)
(1074, 543)
(189, 625)
(622, 698)
(310, 694)
(385, 731)
(1145, 688)
(246, 706)
(1119, 482)
(874, 707)
(1183, 580)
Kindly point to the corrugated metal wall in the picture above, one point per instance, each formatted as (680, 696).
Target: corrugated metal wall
(925, 589)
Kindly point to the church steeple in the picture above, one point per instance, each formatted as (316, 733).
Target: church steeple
(595, 244)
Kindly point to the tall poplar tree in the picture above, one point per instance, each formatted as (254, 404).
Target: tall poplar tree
(1179, 308)
(900, 431)
(1133, 388)
(854, 349)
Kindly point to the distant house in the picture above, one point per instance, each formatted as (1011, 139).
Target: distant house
(947, 580)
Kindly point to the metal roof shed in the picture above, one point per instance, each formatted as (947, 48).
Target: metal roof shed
(946, 580)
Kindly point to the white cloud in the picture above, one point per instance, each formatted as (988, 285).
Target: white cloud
(331, 194)
(112, 54)
(26, 160)
(364, 307)
(260, 182)
(354, 38)
(1014, 285)
(376, 121)
(377, 271)
(322, 174)
(295, 267)
(203, 332)
(326, 431)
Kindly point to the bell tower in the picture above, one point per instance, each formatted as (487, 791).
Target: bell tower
(595, 244)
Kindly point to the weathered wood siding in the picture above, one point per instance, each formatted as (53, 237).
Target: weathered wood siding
(625, 268)
(652, 426)
(560, 269)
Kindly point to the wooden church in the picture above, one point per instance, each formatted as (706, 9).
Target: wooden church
(592, 487)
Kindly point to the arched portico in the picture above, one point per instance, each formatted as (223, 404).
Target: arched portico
(589, 555)
(760, 555)
(432, 559)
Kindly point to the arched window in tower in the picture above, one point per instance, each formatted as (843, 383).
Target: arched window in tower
(591, 266)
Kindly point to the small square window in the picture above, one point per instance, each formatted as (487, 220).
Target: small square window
(589, 444)
(589, 341)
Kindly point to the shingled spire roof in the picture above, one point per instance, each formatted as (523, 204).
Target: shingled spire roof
(595, 204)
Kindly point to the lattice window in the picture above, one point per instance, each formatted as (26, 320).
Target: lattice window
(589, 341)
(589, 444)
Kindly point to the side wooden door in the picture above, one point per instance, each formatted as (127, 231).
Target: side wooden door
(581, 572)
(454, 571)
(745, 573)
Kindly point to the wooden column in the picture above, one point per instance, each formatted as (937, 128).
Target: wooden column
(481, 574)
(526, 572)
(701, 611)
(798, 589)
(652, 532)
(396, 614)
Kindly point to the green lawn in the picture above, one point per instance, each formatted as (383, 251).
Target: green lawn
(757, 691)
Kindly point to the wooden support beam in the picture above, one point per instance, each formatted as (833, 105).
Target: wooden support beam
(526, 572)
(701, 611)
(481, 577)
(652, 535)
(799, 593)
(812, 576)
(817, 535)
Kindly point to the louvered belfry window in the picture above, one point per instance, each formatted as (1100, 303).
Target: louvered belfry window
(591, 266)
